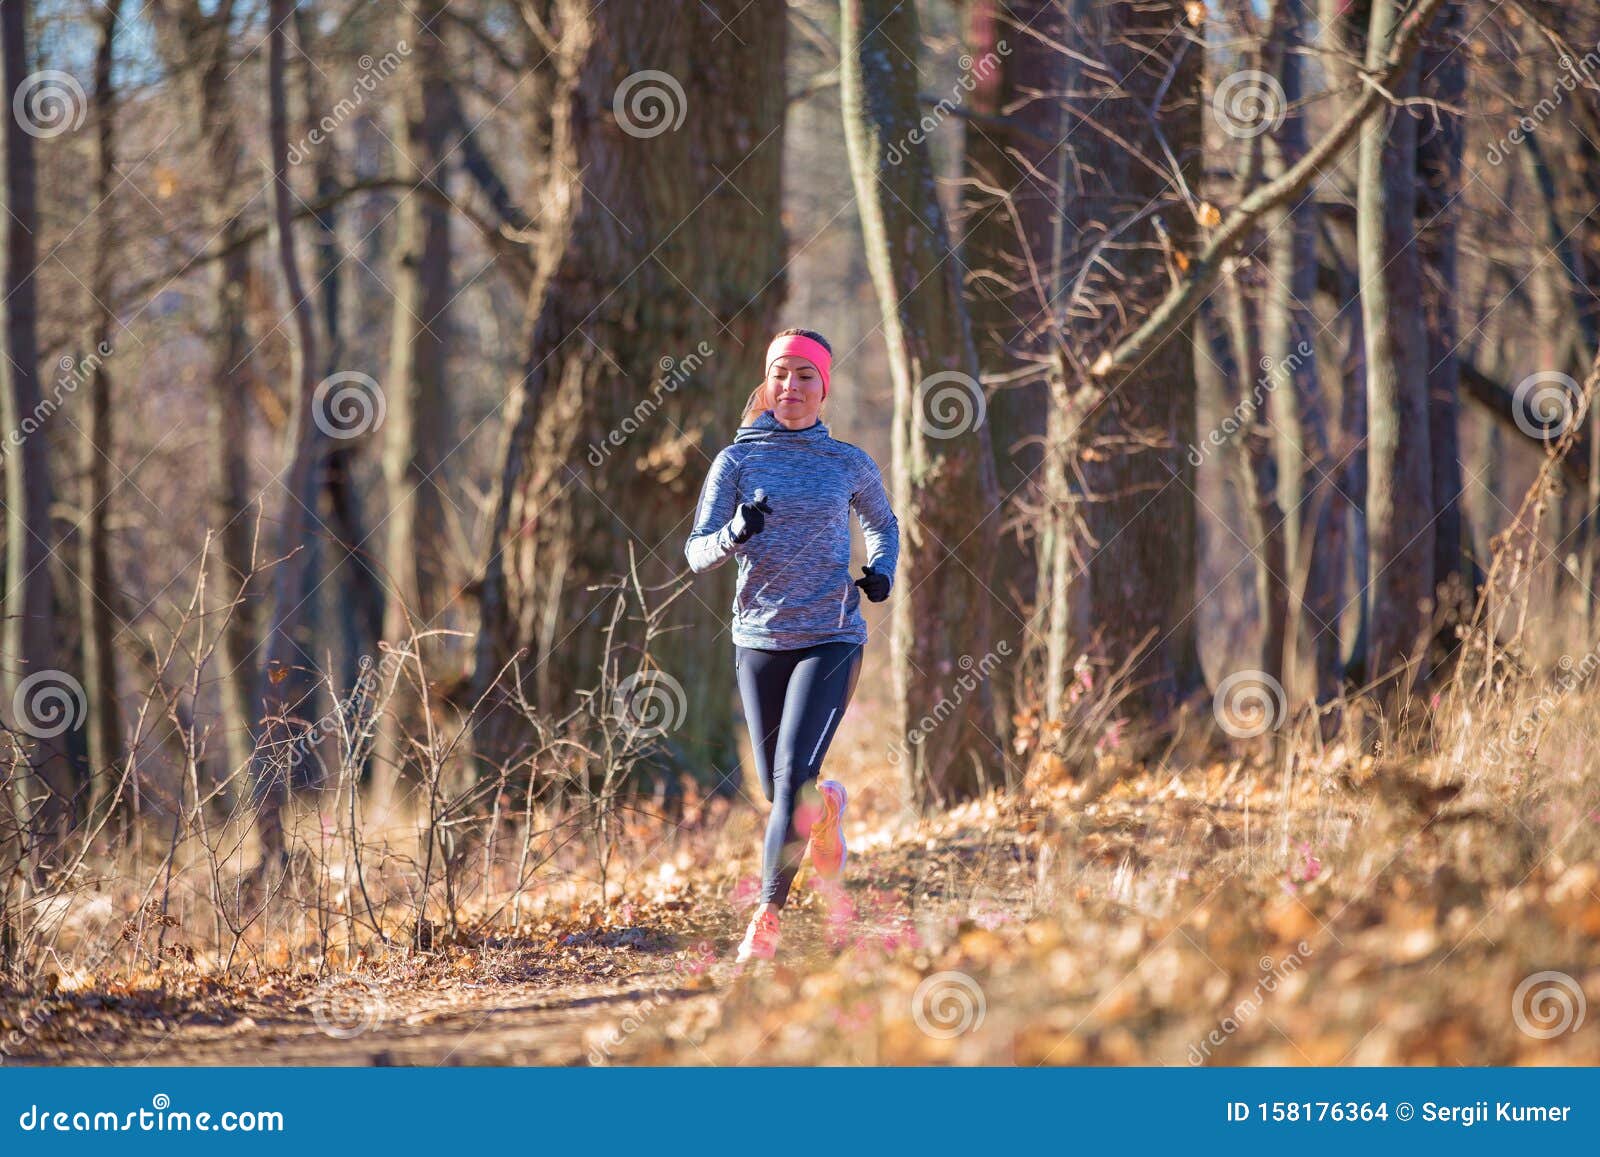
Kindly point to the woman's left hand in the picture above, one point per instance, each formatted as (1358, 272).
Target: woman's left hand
(874, 585)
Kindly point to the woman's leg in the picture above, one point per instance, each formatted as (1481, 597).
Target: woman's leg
(819, 689)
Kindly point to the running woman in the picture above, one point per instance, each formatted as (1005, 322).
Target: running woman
(779, 500)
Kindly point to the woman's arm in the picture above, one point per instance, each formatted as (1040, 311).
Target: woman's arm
(878, 523)
(711, 541)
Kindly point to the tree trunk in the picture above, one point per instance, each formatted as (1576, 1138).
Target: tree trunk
(944, 476)
(99, 594)
(659, 276)
(287, 675)
(1400, 505)
(1008, 248)
(41, 701)
(1139, 505)
(419, 423)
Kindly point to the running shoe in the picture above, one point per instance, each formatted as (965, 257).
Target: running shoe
(828, 852)
(760, 939)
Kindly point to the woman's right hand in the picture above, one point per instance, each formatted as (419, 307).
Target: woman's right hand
(751, 517)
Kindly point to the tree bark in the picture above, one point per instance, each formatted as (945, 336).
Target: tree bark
(659, 276)
(944, 477)
(1400, 503)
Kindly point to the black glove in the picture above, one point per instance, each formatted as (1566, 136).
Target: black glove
(750, 518)
(875, 585)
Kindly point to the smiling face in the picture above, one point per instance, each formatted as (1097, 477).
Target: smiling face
(795, 390)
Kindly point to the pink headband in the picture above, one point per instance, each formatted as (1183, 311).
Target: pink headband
(801, 346)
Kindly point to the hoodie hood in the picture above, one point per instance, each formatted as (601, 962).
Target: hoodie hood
(767, 428)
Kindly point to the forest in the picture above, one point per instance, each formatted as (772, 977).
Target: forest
(1230, 366)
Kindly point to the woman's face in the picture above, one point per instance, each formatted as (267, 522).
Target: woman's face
(795, 388)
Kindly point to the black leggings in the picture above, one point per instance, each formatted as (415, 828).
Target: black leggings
(793, 701)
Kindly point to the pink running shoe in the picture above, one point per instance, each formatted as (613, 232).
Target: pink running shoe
(828, 852)
(760, 939)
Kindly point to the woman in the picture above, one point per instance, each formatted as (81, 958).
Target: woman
(779, 500)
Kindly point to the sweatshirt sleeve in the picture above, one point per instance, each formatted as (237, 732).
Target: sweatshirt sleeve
(711, 541)
(878, 523)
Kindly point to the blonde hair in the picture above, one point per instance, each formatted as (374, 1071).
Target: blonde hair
(758, 401)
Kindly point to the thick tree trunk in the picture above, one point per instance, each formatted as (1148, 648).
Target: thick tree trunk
(1008, 246)
(1400, 504)
(659, 276)
(41, 701)
(1139, 506)
(944, 480)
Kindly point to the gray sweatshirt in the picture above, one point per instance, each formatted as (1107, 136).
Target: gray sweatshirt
(795, 588)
